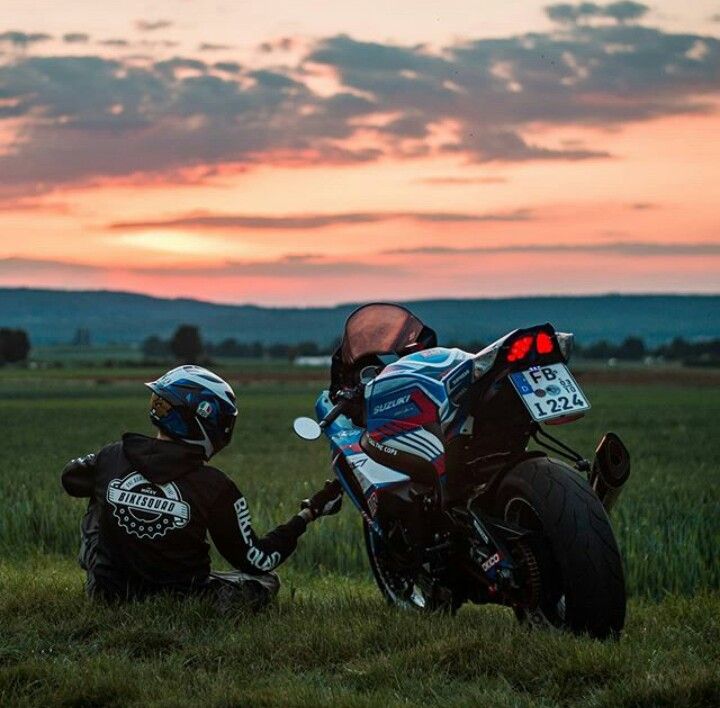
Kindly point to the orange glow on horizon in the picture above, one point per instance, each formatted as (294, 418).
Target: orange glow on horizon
(662, 186)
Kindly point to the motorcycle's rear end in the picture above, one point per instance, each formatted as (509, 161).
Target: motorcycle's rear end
(457, 508)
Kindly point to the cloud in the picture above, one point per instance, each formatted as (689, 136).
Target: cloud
(210, 47)
(170, 66)
(23, 39)
(302, 267)
(287, 267)
(19, 268)
(76, 38)
(29, 204)
(315, 267)
(152, 25)
(230, 67)
(448, 181)
(492, 88)
(314, 221)
(618, 248)
(114, 42)
(284, 44)
(506, 145)
(624, 11)
(91, 117)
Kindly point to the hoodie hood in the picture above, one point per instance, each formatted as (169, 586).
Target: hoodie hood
(161, 461)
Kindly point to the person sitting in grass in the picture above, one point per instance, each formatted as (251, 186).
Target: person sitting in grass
(153, 501)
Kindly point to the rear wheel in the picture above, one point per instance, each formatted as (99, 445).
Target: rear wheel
(582, 586)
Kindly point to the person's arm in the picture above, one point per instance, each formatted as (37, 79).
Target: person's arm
(232, 532)
(78, 476)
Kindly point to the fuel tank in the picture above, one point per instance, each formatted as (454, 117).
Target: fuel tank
(409, 407)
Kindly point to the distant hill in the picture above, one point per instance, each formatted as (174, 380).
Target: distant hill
(52, 316)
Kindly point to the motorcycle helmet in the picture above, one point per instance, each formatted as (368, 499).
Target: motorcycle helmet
(194, 406)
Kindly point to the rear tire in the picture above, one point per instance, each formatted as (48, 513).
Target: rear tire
(582, 580)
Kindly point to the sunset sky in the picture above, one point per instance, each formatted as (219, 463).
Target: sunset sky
(288, 152)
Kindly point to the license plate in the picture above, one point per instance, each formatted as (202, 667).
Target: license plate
(549, 392)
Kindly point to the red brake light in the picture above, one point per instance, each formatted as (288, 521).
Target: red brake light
(544, 343)
(520, 348)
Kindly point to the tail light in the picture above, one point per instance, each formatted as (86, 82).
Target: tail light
(544, 343)
(522, 346)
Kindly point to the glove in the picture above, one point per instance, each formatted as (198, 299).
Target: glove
(325, 502)
(83, 462)
(78, 476)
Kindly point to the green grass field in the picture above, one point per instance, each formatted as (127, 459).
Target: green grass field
(331, 639)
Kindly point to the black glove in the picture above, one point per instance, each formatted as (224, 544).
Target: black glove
(78, 476)
(325, 502)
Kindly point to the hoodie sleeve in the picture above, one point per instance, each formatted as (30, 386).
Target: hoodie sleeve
(78, 476)
(232, 533)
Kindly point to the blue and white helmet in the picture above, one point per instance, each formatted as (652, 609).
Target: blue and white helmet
(192, 405)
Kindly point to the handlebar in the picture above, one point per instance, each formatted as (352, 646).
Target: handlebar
(333, 413)
(346, 396)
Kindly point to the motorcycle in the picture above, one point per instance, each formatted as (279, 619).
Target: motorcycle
(431, 445)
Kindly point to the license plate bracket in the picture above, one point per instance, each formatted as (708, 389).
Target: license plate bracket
(549, 392)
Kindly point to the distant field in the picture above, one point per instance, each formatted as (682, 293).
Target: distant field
(331, 639)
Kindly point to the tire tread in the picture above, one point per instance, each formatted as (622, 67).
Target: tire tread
(582, 541)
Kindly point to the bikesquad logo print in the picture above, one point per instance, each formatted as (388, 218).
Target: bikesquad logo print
(147, 510)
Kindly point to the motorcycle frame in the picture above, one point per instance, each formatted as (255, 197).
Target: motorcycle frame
(470, 508)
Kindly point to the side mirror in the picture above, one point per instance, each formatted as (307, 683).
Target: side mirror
(307, 428)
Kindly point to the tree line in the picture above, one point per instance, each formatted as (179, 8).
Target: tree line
(187, 344)
(14, 345)
(634, 349)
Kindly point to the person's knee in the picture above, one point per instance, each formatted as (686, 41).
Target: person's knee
(234, 589)
(270, 583)
(260, 590)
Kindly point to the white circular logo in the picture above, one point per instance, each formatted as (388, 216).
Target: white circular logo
(144, 509)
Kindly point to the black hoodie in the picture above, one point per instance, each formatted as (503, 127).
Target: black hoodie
(152, 502)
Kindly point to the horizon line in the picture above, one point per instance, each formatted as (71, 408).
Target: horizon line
(338, 305)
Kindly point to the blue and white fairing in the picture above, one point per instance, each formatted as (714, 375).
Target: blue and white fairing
(442, 374)
(411, 408)
(413, 404)
(371, 476)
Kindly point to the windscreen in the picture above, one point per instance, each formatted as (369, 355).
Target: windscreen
(379, 329)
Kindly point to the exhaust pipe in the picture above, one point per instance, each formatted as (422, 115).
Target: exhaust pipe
(610, 470)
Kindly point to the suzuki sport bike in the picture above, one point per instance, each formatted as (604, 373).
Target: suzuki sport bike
(445, 455)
